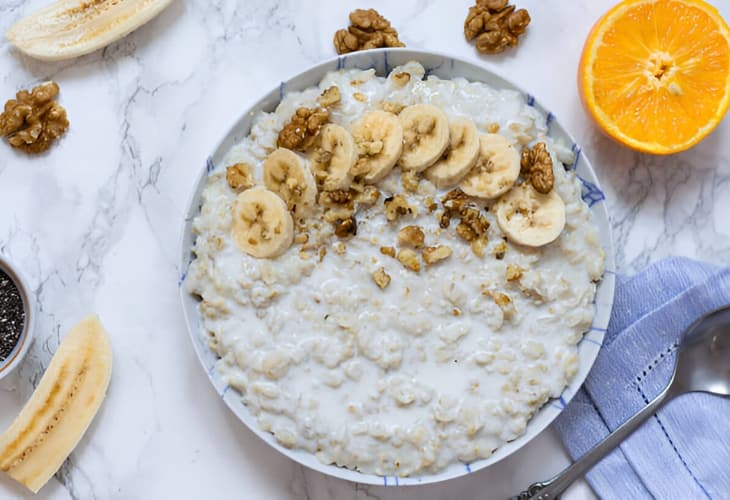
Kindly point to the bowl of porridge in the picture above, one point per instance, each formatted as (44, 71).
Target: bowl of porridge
(397, 267)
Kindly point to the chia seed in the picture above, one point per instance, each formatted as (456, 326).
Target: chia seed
(12, 315)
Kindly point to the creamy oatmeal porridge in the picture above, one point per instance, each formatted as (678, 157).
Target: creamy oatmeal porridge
(395, 272)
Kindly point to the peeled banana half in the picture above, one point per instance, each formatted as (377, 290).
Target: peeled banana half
(530, 218)
(60, 410)
(71, 28)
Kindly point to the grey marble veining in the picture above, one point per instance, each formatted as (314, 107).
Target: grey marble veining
(95, 225)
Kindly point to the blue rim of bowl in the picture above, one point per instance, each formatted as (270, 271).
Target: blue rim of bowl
(592, 195)
(9, 364)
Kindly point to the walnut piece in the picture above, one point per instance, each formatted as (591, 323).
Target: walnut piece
(337, 197)
(329, 97)
(411, 236)
(301, 131)
(410, 180)
(536, 166)
(473, 224)
(499, 250)
(432, 255)
(346, 228)
(409, 259)
(366, 195)
(392, 107)
(381, 278)
(33, 120)
(495, 25)
(395, 207)
(390, 251)
(514, 272)
(367, 30)
(240, 176)
(503, 301)
(401, 79)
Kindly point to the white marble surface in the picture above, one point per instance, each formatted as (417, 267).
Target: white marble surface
(95, 225)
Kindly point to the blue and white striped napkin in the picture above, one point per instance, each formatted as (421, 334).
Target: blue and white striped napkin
(682, 452)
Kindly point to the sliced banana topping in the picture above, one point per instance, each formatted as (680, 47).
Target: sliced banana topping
(459, 158)
(287, 174)
(379, 139)
(70, 28)
(334, 157)
(262, 225)
(425, 136)
(496, 169)
(531, 218)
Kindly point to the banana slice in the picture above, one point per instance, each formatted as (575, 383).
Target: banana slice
(287, 174)
(262, 225)
(459, 158)
(334, 157)
(379, 139)
(531, 218)
(425, 136)
(496, 169)
(70, 28)
(57, 415)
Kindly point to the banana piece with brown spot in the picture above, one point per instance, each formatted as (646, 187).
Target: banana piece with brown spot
(57, 415)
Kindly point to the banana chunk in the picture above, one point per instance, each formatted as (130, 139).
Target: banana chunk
(287, 174)
(425, 136)
(262, 225)
(57, 415)
(459, 158)
(71, 28)
(379, 139)
(496, 169)
(334, 157)
(531, 218)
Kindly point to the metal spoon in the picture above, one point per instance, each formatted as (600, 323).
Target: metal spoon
(702, 365)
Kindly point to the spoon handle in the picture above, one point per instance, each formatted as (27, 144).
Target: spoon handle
(552, 488)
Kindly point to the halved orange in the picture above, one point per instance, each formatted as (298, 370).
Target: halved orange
(655, 74)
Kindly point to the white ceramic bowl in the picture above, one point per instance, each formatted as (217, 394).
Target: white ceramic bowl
(442, 66)
(26, 336)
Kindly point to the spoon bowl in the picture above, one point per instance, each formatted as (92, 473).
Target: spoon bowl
(703, 356)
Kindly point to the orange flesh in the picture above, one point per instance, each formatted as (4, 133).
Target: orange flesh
(656, 73)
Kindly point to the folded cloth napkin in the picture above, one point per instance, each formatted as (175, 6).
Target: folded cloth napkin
(683, 451)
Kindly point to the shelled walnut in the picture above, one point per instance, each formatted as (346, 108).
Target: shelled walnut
(367, 30)
(536, 166)
(33, 120)
(240, 176)
(432, 255)
(329, 97)
(301, 131)
(409, 259)
(411, 236)
(495, 25)
(395, 207)
(381, 278)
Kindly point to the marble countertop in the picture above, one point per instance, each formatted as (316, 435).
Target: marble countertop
(94, 224)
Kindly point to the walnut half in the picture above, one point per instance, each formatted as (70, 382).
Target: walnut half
(301, 131)
(495, 25)
(537, 167)
(367, 30)
(33, 120)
